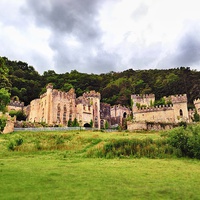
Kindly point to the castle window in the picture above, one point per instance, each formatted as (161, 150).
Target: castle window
(181, 112)
(58, 113)
(124, 115)
(64, 114)
(96, 122)
(70, 117)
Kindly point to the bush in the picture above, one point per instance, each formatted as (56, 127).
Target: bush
(123, 148)
(2, 123)
(186, 141)
(20, 115)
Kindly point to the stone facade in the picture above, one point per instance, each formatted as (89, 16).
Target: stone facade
(15, 105)
(56, 107)
(170, 114)
(118, 114)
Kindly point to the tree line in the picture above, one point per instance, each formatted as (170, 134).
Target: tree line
(21, 80)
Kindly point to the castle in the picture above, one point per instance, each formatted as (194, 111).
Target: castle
(148, 116)
(56, 107)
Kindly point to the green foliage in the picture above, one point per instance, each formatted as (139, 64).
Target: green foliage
(115, 87)
(69, 123)
(2, 123)
(106, 125)
(186, 141)
(15, 143)
(75, 123)
(4, 99)
(91, 123)
(20, 115)
(196, 117)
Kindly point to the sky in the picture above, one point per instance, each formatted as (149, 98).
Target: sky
(100, 36)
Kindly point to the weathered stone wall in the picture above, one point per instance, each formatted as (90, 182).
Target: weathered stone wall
(132, 126)
(169, 114)
(57, 107)
(157, 114)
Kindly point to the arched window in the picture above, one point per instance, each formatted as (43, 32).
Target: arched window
(64, 114)
(96, 122)
(181, 112)
(58, 113)
(124, 115)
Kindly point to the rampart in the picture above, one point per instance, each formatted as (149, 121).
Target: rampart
(179, 98)
(154, 109)
(92, 93)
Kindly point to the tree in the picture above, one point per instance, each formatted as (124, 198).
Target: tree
(4, 99)
(4, 81)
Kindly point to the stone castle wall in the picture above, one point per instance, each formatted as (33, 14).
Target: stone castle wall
(57, 107)
(174, 113)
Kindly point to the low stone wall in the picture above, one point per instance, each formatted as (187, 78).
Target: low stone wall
(132, 126)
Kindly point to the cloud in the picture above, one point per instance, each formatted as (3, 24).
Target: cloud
(75, 33)
(98, 36)
(185, 52)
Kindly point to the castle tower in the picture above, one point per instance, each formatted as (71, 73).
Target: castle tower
(180, 107)
(197, 105)
(94, 98)
(48, 104)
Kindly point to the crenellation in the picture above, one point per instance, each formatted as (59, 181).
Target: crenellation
(181, 98)
(16, 103)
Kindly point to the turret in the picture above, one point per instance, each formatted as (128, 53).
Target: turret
(49, 88)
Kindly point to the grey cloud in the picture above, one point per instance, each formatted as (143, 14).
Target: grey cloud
(186, 50)
(78, 19)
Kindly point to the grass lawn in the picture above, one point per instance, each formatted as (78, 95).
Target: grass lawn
(65, 174)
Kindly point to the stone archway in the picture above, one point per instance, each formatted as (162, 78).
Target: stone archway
(87, 125)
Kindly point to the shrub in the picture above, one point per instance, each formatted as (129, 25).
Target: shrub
(186, 141)
(20, 115)
(2, 123)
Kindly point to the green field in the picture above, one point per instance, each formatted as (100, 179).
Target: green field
(53, 165)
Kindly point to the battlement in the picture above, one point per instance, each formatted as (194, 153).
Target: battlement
(69, 94)
(16, 103)
(82, 100)
(197, 101)
(92, 93)
(154, 109)
(182, 98)
(142, 96)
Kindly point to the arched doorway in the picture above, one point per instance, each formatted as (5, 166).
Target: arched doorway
(87, 125)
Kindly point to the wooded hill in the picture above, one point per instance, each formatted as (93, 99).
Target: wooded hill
(25, 82)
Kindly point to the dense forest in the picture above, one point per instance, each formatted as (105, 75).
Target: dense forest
(25, 82)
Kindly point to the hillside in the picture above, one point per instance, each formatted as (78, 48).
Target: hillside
(25, 82)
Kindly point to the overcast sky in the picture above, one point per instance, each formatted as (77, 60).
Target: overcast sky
(99, 36)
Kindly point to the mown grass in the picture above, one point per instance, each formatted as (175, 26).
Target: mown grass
(54, 165)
